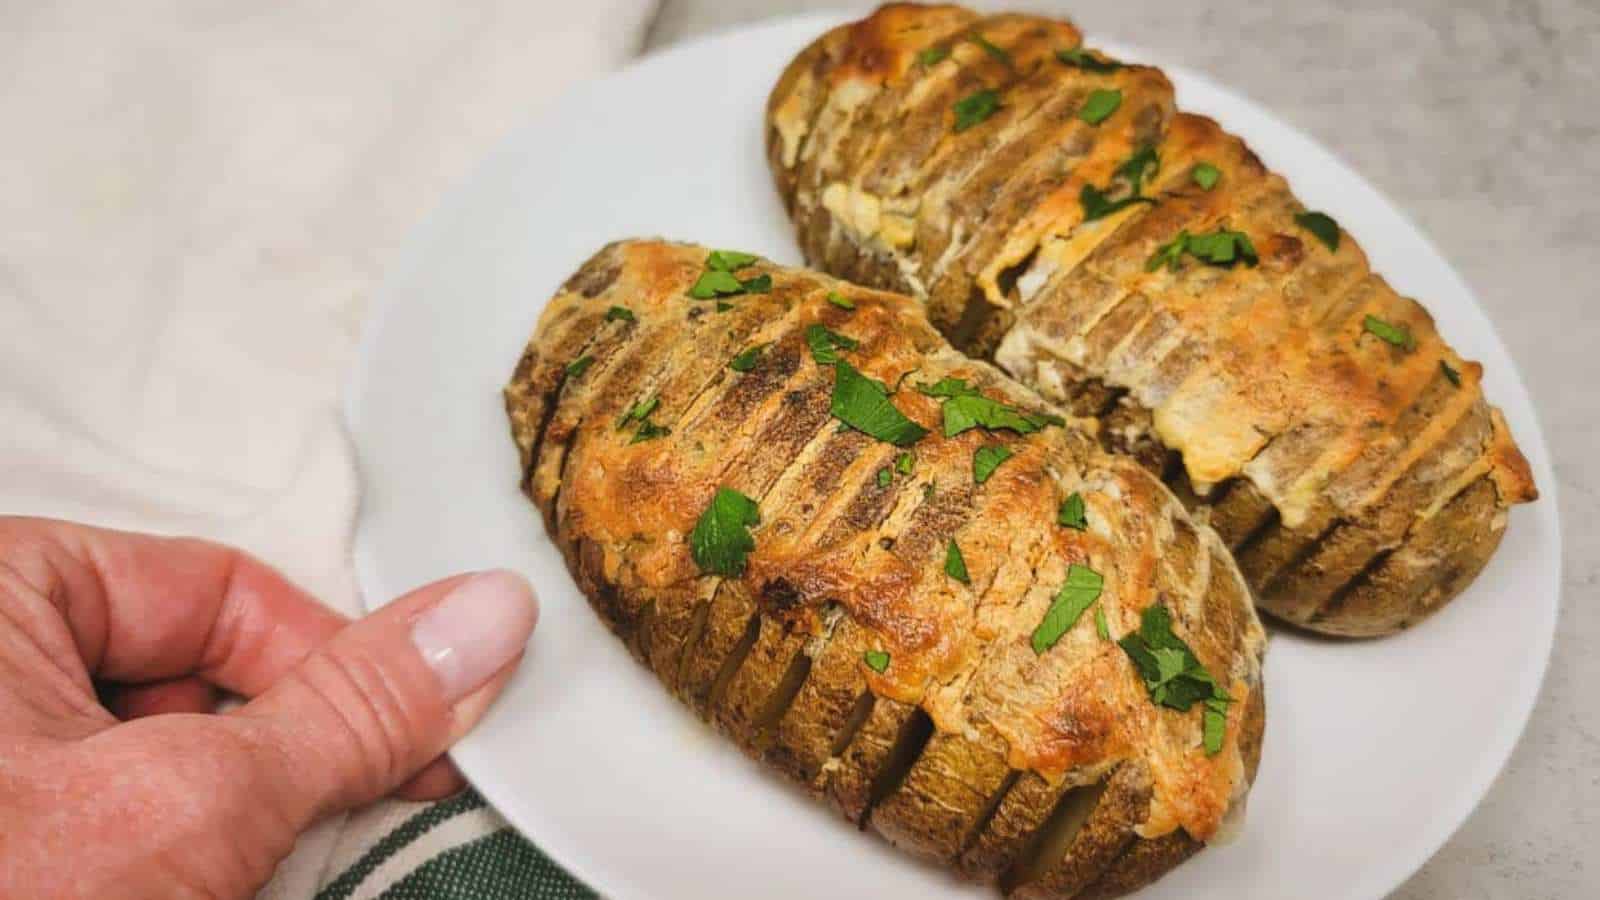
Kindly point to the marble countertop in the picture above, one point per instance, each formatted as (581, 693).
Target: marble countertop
(1478, 118)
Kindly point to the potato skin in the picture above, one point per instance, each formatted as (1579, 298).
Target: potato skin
(1362, 484)
(969, 738)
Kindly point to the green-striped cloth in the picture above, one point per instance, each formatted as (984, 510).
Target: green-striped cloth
(456, 849)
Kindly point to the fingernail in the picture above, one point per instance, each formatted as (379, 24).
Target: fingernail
(476, 629)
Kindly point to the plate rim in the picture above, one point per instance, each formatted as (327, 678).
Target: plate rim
(384, 299)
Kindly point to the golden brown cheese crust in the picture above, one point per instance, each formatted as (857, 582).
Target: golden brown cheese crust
(968, 740)
(1362, 484)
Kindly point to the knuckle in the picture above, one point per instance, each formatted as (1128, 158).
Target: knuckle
(367, 721)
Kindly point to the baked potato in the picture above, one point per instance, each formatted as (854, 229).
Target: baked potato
(889, 571)
(1135, 264)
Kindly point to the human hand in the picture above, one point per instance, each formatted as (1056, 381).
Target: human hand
(187, 804)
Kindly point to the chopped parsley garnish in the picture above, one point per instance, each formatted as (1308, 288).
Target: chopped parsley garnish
(1169, 254)
(975, 107)
(745, 360)
(988, 458)
(1100, 105)
(1323, 226)
(904, 462)
(1002, 56)
(863, 404)
(1081, 58)
(1082, 588)
(1205, 175)
(720, 283)
(840, 300)
(1223, 248)
(947, 387)
(721, 539)
(1173, 674)
(1100, 625)
(1144, 163)
(1450, 374)
(1072, 512)
(620, 314)
(715, 283)
(579, 366)
(649, 431)
(729, 260)
(1219, 248)
(825, 344)
(933, 55)
(965, 408)
(723, 306)
(876, 660)
(1389, 333)
(885, 477)
(1096, 205)
(639, 412)
(954, 565)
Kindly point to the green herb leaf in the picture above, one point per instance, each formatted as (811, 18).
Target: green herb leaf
(714, 283)
(947, 387)
(975, 107)
(1096, 205)
(1173, 675)
(1323, 226)
(954, 565)
(721, 539)
(933, 55)
(649, 431)
(729, 260)
(1169, 254)
(876, 660)
(904, 462)
(639, 411)
(1450, 374)
(1144, 163)
(761, 284)
(1214, 723)
(1100, 105)
(1389, 333)
(840, 300)
(863, 404)
(1205, 175)
(620, 314)
(1072, 512)
(579, 366)
(999, 54)
(1081, 58)
(723, 306)
(968, 411)
(746, 359)
(1082, 588)
(1100, 625)
(1222, 248)
(986, 459)
(885, 477)
(825, 344)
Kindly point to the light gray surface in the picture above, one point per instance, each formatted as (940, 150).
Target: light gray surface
(1480, 120)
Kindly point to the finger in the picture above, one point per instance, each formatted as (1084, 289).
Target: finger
(438, 780)
(143, 608)
(366, 712)
(179, 695)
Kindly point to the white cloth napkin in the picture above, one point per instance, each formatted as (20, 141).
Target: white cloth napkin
(195, 201)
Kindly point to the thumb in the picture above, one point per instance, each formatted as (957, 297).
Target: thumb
(389, 693)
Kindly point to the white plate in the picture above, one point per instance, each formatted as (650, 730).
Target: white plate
(1375, 751)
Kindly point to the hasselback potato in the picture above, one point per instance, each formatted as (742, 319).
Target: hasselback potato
(1054, 211)
(889, 571)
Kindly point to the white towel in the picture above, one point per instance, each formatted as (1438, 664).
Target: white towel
(195, 202)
